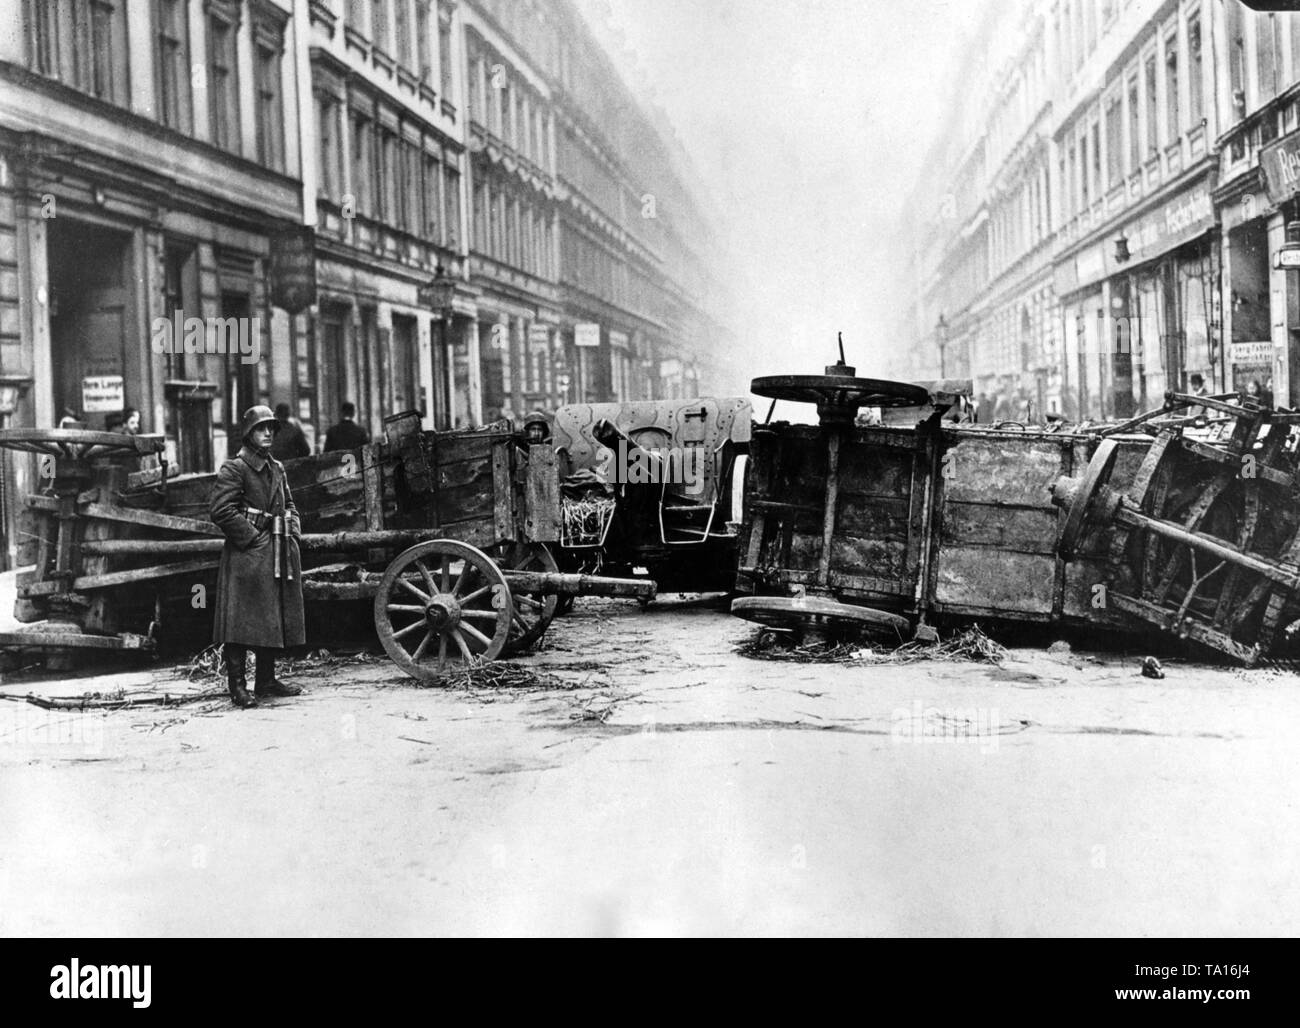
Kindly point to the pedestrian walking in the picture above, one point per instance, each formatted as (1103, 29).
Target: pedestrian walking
(347, 434)
(290, 442)
(259, 580)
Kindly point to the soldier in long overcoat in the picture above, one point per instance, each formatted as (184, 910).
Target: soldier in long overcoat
(259, 581)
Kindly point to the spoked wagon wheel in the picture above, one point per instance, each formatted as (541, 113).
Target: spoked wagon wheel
(533, 612)
(442, 605)
(811, 615)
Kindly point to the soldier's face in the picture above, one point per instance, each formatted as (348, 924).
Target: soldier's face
(261, 436)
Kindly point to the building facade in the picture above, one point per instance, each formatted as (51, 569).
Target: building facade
(149, 162)
(1135, 207)
(453, 206)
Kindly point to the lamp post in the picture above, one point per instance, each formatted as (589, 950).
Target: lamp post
(439, 296)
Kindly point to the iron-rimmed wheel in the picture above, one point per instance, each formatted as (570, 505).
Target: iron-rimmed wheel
(533, 612)
(836, 391)
(442, 605)
(814, 614)
(1080, 497)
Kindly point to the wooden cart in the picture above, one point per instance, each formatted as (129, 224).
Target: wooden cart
(445, 533)
(1186, 523)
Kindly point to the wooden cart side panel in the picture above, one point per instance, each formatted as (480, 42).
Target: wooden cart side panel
(541, 496)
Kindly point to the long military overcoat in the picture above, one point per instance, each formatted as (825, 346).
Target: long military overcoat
(253, 607)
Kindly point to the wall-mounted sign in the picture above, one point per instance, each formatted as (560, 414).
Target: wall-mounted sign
(293, 269)
(102, 394)
(539, 337)
(586, 334)
(1280, 163)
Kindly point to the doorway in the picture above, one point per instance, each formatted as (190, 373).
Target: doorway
(91, 309)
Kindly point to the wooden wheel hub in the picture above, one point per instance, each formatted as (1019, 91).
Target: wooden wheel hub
(442, 613)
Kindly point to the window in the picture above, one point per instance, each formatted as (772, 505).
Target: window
(81, 43)
(402, 31)
(362, 172)
(268, 48)
(1195, 71)
(173, 64)
(432, 198)
(1152, 109)
(1084, 199)
(386, 208)
(480, 218)
(451, 191)
(1096, 160)
(444, 49)
(1072, 182)
(379, 24)
(1134, 134)
(1236, 55)
(356, 16)
(327, 117)
(1268, 32)
(423, 55)
(1173, 123)
(1114, 143)
(223, 83)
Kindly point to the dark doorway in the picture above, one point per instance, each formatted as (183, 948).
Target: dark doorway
(91, 310)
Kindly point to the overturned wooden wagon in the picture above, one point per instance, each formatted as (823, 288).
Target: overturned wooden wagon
(1146, 524)
(445, 534)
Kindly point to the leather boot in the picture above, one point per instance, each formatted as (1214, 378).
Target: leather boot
(236, 681)
(267, 684)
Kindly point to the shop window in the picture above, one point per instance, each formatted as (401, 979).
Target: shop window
(173, 62)
(81, 43)
(223, 81)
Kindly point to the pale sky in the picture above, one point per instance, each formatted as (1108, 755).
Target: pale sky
(808, 119)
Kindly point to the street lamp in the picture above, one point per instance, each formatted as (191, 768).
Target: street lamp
(1122, 254)
(941, 334)
(439, 294)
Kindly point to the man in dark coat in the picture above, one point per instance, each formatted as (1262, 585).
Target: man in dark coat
(259, 582)
(347, 434)
(290, 442)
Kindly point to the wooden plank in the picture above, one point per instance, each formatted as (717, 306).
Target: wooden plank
(454, 447)
(115, 578)
(503, 491)
(1007, 528)
(1014, 583)
(76, 641)
(149, 519)
(542, 496)
(464, 472)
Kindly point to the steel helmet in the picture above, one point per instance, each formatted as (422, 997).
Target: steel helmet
(255, 416)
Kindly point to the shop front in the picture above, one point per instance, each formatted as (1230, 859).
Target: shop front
(1265, 298)
(1140, 307)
